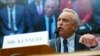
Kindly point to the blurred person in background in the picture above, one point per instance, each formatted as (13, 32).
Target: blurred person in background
(32, 10)
(24, 2)
(47, 21)
(95, 21)
(12, 17)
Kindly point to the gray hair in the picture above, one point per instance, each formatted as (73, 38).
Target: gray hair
(76, 18)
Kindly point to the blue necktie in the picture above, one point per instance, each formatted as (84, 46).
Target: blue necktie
(65, 45)
(11, 19)
(50, 27)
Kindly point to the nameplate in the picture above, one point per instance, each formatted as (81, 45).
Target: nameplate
(27, 39)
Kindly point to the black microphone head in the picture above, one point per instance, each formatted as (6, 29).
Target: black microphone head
(57, 32)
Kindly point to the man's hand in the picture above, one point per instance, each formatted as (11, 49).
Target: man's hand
(88, 40)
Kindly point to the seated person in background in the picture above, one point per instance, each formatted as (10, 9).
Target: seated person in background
(47, 21)
(35, 8)
(68, 40)
(95, 21)
(12, 17)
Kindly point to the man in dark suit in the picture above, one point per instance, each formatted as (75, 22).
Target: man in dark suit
(68, 40)
(36, 7)
(47, 21)
(12, 17)
(32, 10)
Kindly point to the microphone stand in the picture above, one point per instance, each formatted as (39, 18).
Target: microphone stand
(56, 34)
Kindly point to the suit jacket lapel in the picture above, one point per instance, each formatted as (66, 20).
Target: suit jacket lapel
(17, 11)
(6, 19)
(56, 21)
(58, 42)
(41, 23)
(77, 44)
(44, 20)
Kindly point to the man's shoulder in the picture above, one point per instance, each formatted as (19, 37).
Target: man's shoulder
(77, 36)
(52, 41)
(31, 5)
(79, 45)
(20, 6)
(4, 8)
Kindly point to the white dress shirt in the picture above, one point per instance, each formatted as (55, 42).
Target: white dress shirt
(14, 17)
(39, 7)
(30, 1)
(70, 45)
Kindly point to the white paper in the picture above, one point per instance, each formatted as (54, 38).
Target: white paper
(28, 39)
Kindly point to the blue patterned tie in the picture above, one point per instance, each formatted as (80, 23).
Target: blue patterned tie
(50, 27)
(65, 45)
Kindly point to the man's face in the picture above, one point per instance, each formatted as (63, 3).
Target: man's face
(66, 24)
(50, 8)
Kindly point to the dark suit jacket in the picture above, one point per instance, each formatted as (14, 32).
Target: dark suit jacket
(1, 34)
(32, 8)
(96, 11)
(19, 18)
(22, 2)
(31, 12)
(78, 46)
(39, 23)
(2, 5)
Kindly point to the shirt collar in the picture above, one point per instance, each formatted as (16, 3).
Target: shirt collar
(70, 39)
(48, 16)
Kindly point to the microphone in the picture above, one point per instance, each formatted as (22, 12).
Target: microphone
(56, 34)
